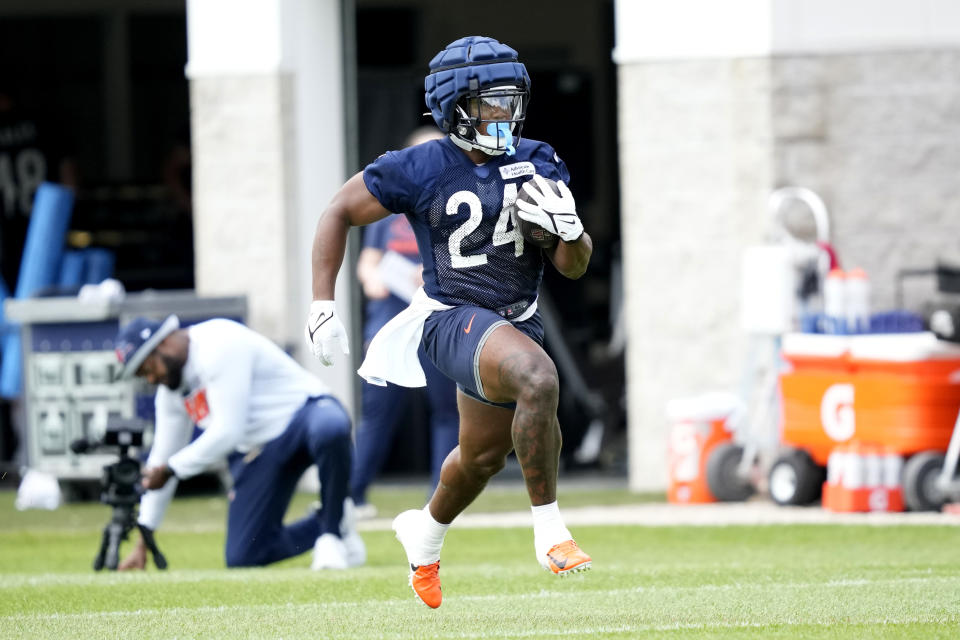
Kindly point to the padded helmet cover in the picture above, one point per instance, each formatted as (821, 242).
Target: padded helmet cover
(469, 65)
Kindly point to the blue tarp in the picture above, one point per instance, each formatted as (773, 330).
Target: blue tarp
(39, 268)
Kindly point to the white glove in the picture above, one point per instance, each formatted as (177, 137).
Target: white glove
(555, 213)
(323, 330)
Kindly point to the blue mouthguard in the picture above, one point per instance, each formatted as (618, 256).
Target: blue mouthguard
(502, 129)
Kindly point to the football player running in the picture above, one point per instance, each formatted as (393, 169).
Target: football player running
(476, 314)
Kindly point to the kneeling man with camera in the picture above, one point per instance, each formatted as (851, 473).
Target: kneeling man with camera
(259, 409)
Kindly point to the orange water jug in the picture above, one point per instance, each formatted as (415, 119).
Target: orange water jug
(698, 424)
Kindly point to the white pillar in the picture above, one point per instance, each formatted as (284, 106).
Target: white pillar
(267, 95)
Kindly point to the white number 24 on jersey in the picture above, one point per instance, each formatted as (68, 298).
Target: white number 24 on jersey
(500, 233)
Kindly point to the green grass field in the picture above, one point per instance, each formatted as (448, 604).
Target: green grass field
(678, 582)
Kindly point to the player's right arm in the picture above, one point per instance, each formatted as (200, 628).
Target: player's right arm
(352, 206)
(173, 432)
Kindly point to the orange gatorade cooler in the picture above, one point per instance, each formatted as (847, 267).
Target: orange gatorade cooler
(697, 425)
(901, 391)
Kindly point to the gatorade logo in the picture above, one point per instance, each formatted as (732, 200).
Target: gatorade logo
(836, 412)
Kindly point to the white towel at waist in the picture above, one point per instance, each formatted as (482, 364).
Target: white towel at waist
(392, 354)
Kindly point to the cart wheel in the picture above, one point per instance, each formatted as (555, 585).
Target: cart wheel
(795, 479)
(722, 478)
(920, 474)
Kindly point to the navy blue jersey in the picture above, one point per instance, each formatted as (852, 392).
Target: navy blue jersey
(461, 214)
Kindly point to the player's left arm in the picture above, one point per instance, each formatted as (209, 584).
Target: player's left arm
(571, 255)
(571, 258)
(353, 205)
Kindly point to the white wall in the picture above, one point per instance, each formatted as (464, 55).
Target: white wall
(704, 29)
(266, 84)
(720, 103)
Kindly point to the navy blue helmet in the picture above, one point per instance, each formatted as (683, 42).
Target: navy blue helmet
(477, 91)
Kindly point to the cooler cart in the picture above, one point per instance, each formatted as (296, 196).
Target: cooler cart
(948, 484)
(900, 391)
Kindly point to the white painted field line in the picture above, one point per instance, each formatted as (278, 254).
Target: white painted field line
(542, 594)
(655, 514)
(715, 514)
(691, 626)
(682, 626)
(16, 581)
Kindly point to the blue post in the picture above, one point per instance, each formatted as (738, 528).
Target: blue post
(4, 294)
(71, 269)
(39, 267)
(99, 263)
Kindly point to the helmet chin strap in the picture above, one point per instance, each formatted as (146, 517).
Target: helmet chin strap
(466, 145)
(496, 131)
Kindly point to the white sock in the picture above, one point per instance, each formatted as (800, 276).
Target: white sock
(548, 528)
(433, 534)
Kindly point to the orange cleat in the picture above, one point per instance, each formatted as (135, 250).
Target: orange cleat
(566, 558)
(425, 582)
(424, 578)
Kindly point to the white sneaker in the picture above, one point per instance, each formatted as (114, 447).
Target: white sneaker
(366, 511)
(356, 549)
(329, 552)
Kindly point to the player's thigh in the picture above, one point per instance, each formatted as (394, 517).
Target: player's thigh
(453, 340)
(470, 344)
(511, 362)
(485, 431)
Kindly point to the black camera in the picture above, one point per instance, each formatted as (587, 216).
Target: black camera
(121, 489)
(121, 480)
(124, 432)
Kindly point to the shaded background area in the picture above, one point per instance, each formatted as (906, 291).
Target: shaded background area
(108, 80)
(122, 132)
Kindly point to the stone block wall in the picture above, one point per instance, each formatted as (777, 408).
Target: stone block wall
(243, 153)
(878, 137)
(702, 145)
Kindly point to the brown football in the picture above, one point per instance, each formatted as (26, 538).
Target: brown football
(532, 232)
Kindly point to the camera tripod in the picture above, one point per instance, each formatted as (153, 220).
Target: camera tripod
(121, 490)
(116, 531)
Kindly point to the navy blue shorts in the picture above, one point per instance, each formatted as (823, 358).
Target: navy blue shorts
(453, 339)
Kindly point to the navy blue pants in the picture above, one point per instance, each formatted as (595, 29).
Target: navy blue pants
(454, 338)
(383, 407)
(263, 484)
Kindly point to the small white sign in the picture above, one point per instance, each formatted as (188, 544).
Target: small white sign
(516, 170)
